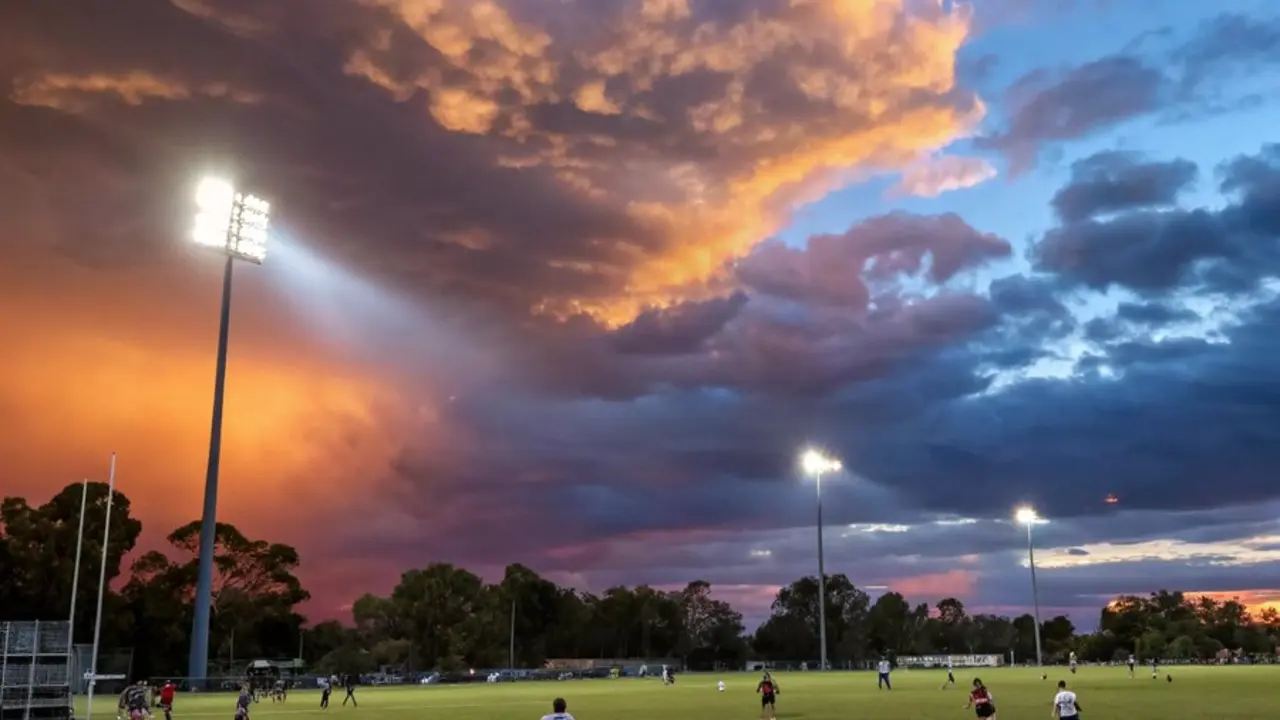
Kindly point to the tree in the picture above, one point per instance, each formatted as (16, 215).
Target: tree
(1058, 635)
(255, 593)
(38, 547)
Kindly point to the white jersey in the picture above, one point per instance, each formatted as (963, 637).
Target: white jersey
(1065, 702)
(883, 667)
(558, 716)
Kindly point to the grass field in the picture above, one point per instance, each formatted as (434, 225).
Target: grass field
(1196, 693)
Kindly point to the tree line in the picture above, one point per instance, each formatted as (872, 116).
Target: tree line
(445, 617)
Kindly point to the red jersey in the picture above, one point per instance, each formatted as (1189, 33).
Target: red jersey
(166, 693)
(980, 696)
(766, 688)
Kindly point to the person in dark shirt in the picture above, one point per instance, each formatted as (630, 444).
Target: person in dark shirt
(326, 687)
(243, 702)
(134, 701)
(350, 683)
(981, 701)
(768, 690)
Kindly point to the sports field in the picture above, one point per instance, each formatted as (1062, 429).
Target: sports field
(1196, 693)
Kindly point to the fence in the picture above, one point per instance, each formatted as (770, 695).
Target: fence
(35, 670)
(111, 663)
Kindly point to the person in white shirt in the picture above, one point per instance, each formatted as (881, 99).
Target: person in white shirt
(721, 686)
(1072, 662)
(951, 675)
(1065, 704)
(559, 711)
(884, 668)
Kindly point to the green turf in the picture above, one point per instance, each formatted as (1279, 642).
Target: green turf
(1196, 693)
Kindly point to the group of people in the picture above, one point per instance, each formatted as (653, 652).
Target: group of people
(348, 682)
(1066, 706)
(136, 701)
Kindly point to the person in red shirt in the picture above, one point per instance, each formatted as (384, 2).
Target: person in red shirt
(166, 699)
(981, 701)
(768, 690)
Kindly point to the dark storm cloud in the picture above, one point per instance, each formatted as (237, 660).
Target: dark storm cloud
(834, 269)
(1109, 182)
(1155, 251)
(679, 330)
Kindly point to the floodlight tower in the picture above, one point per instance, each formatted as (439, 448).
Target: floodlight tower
(1028, 516)
(815, 464)
(234, 224)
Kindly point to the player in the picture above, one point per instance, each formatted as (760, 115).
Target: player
(951, 676)
(884, 668)
(666, 675)
(1155, 667)
(720, 686)
(768, 690)
(279, 691)
(559, 711)
(1071, 660)
(134, 702)
(1065, 704)
(350, 683)
(981, 701)
(167, 692)
(1132, 661)
(326, 687)
(243, 702)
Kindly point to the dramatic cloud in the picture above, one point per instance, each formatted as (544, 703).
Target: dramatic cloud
(1155, 251)
(534, 295)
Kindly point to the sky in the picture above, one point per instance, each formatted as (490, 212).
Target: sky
(572, 283)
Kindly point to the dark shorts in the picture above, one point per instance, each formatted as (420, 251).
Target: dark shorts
(985, 710)
(1069, 717)
(766, 699)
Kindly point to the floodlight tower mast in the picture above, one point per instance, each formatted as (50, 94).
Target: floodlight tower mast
(234, 224)
(815, 464)
(1029, 517)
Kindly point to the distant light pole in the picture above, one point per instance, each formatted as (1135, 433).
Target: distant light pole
(234, 224)
(1028, 516)
(815, 464)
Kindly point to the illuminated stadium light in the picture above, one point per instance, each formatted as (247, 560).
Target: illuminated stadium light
(233, 222)
(1026, 516)
(1029, 517)
(815, 464)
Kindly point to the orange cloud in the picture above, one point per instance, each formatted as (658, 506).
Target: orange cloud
(73, 93)
(1255, 600)
(673, 123)
(110, 369)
